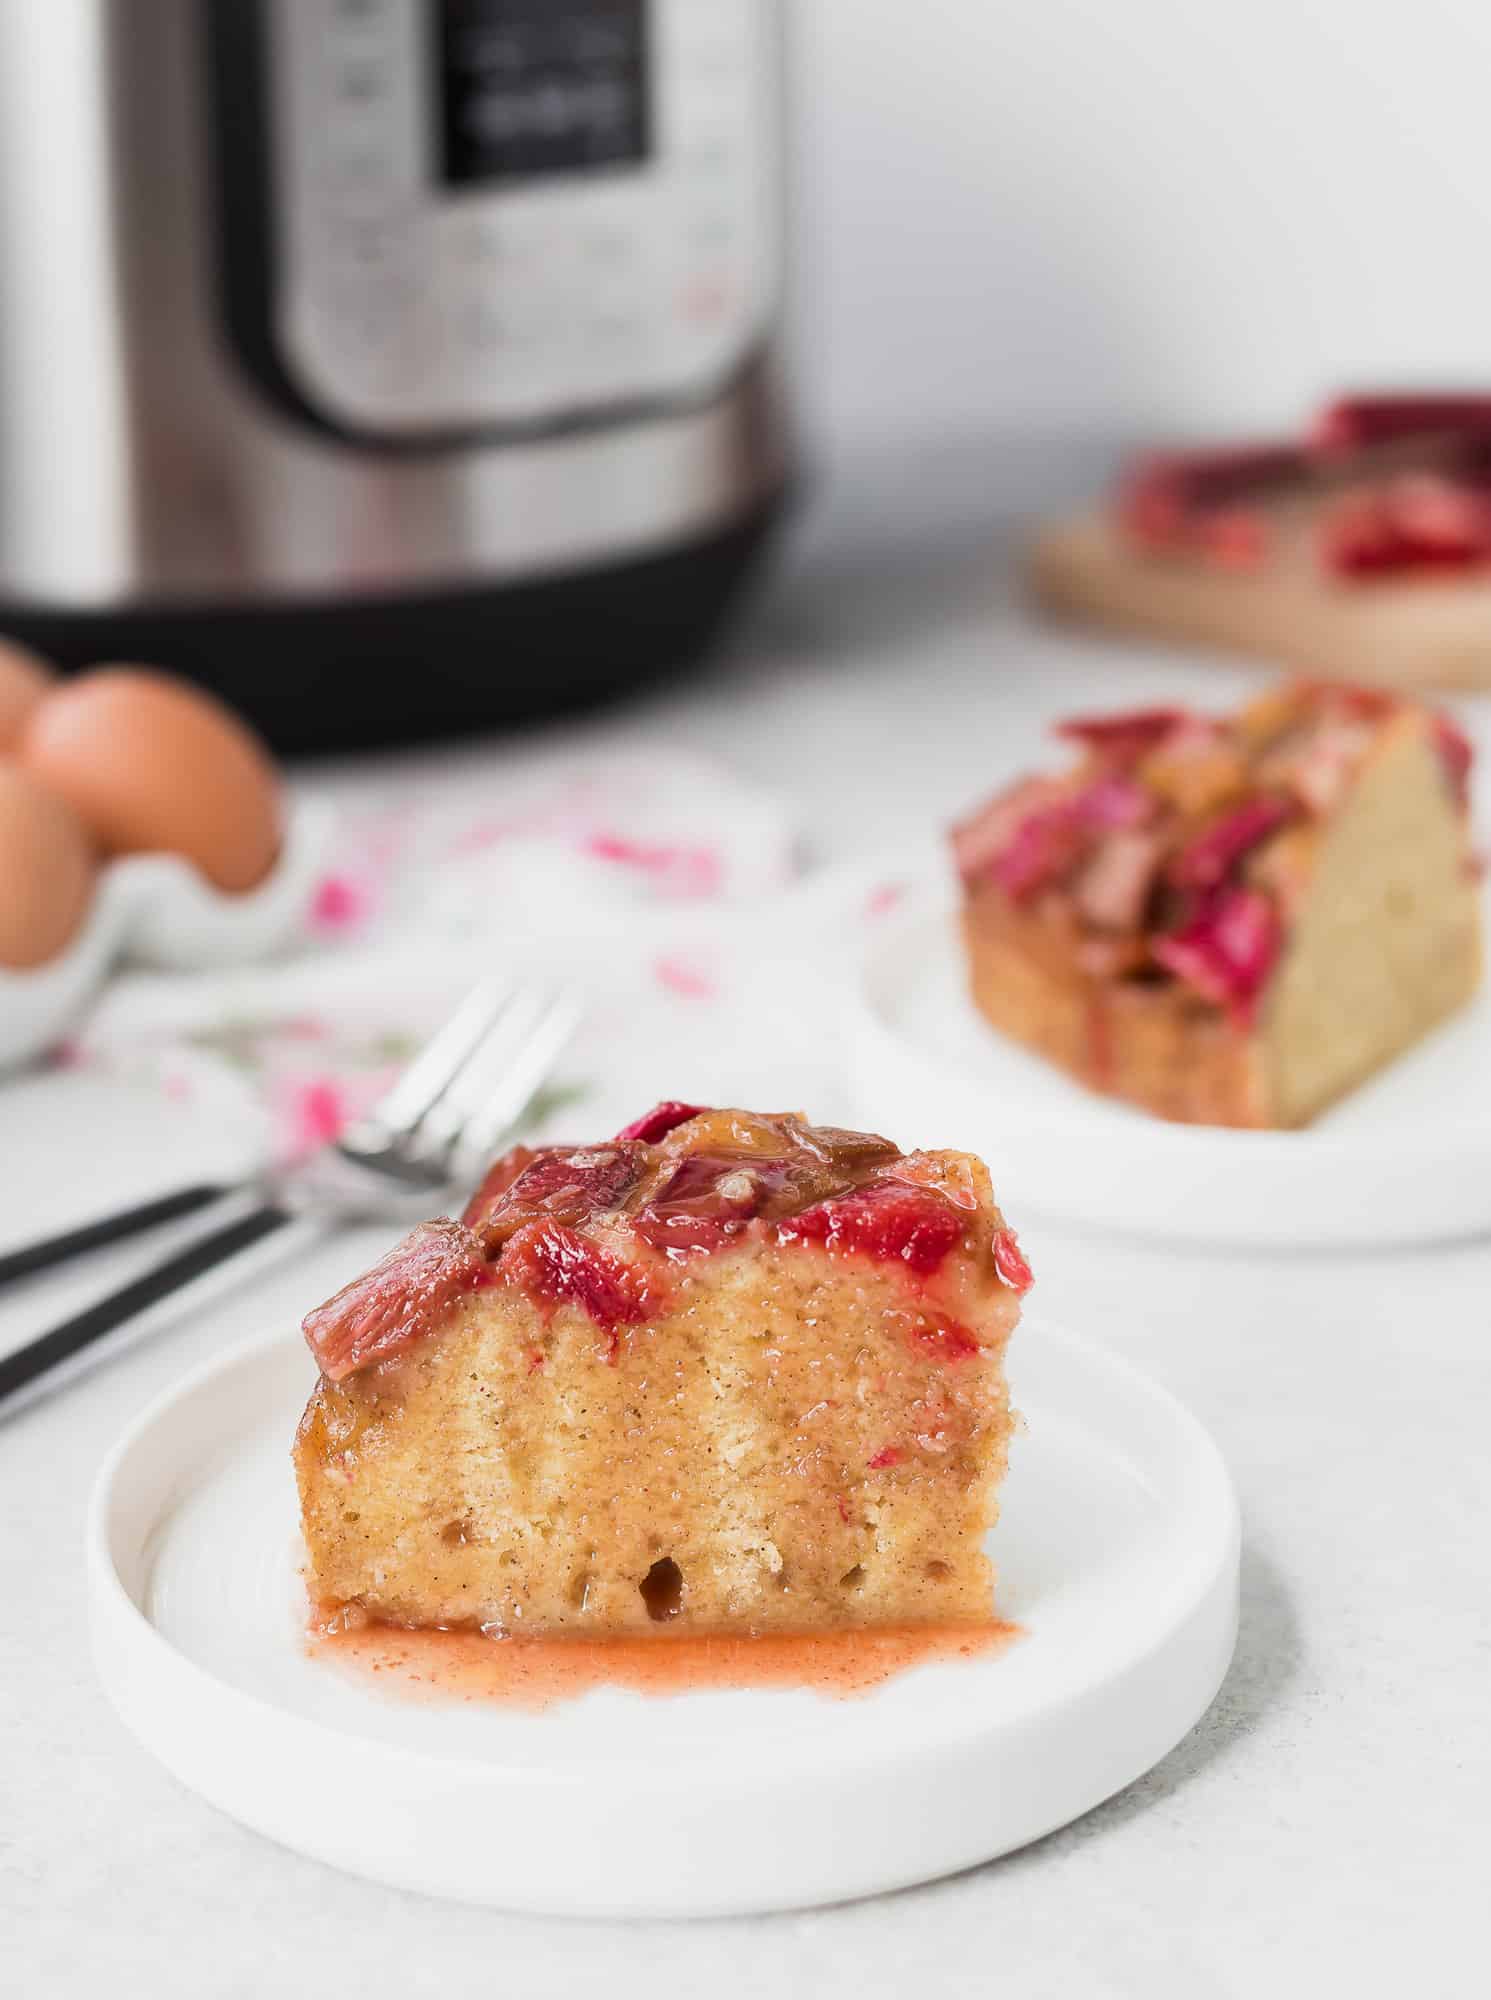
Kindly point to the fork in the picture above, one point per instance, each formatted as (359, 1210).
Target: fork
(435, 1130)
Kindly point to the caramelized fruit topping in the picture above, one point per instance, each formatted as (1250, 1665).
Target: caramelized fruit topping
(708, 1198)
(390, 1307)
(1174, 500)
(1356, 423)
(498, 1178)
(1163, 853)
(1209, 859)
(563, 1184)
(1456, 755)
(1124, 738)
(885, 1220)
(1227, 950)
(556, 1264)
(1420, 521)
(660, 1121)
(1042, 848)
(1009, 1261)
(1113, 890)
(585, 1225)
(1047, 842)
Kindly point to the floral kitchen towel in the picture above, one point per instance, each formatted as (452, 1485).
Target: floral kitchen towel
(655, 883)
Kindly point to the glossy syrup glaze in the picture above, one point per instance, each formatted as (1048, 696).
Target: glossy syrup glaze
(533, 1674)
(608, 1228)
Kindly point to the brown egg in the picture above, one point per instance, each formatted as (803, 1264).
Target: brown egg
(24, 678)
(153, 765)
(47, 871)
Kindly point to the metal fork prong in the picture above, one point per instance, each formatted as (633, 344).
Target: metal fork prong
(443, 1057)
(502, 1048)
(462, 1094)
(496, 1097)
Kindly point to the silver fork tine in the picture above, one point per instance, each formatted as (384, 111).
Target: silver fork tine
(490, 1098)
(462, 1092)
(437, 1132)
(443, 1057)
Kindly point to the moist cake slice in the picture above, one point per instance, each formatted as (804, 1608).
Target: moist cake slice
(723, 1371)
(1230, 922)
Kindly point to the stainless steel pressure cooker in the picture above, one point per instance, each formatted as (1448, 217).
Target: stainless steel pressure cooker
(394, 366)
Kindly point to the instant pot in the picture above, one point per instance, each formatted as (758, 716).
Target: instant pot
(392, 366)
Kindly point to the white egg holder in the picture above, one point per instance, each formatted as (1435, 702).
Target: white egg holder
(159, 910)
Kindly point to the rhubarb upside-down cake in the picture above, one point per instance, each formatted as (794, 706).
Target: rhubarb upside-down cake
(1234, 921)
(725, 1371)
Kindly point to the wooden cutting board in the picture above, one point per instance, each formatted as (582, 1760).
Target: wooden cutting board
(1421, 633)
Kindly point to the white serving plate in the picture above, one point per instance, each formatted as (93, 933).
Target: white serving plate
(1117, 1551)
(158, 910)
(1405, 1159)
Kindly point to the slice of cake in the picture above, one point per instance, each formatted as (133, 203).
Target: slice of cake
(1230, 922)
(722, 1371)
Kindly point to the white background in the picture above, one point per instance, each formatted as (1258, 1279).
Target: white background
(1119, 215)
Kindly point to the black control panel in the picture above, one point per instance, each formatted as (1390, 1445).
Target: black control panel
(531, 88)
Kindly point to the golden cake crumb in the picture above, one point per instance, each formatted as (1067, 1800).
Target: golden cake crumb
(736, 1373)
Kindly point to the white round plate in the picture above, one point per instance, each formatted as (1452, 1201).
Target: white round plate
(1117, 1552)
(1407, 1158)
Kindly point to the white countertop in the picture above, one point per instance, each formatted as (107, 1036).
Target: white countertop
(1323, 1830)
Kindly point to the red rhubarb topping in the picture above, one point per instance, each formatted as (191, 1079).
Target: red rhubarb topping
(1044, 846)
(557, 1264)
(1226, 951)
(1123, 738)
(1424, 521)
(1027, 851)
(1456, 755)
(1113, 890)
(1115, 802)
(1166, 500)
(536, 1212)
(1009, 1261)
(710, 1198)
(660, 1121)
(1210, 859)
(1355, 423)
(980, 839)
(392, 1306)
(887, 1220)
(498, 1179)
(562, 1184)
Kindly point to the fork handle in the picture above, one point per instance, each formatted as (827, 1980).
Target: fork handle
(107, 1229)
(48, 1351)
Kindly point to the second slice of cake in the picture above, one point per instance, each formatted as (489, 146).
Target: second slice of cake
(723, 1371)
(1230, 921)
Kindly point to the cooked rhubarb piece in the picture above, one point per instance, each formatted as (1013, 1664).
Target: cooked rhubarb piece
(1283, 903)
(1358, 423)
(1207, 502)
(1416, 522)
(724, 1371)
